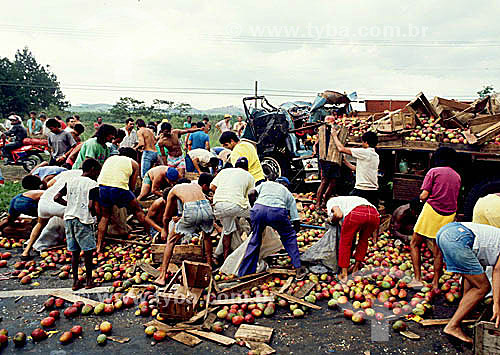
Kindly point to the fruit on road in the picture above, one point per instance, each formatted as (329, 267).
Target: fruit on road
(19, 339)
(105, 327)
(76, 330)
(399, 326)
(39, 334)
(101, 339)
(159, 335)
(48, 322)
(150, 330)
(66, 337)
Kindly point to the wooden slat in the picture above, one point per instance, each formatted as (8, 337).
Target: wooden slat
(209, 321)
(261, 348)
(218, 338)
(304, 290)
(126, 241)
(243, 300)
(248, 284)
(410, 335)
(286, 285)
(296, 300)
(181, 337)
(118, 339)
(322, 142)
(430, 322)
(249, 332)
(74, 298)
(149, 269)
(49, 291)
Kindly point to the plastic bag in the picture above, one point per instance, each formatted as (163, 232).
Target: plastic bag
(242, 227)
(53, 234)
(271, 243)
(325, 250)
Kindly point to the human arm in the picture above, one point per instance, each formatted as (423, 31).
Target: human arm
(133, 177)
(336, 214)
(155, 186)
(74, 152)
(93, 200)
(196, 163)
(338, 144)
(424, 195)
(163, 156)
(59, 196)
(207, 144)
(152, 212)
(217, 125)
(349, 165)
(426, 187)
(496, 293)
(140, 140)
(180, 132)
(170, 208)
(291, 206)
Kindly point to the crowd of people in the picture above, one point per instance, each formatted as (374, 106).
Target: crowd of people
(84, 181)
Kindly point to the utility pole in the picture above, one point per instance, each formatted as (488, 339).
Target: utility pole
(255, 93)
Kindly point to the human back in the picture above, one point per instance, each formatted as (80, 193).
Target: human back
(116, 172)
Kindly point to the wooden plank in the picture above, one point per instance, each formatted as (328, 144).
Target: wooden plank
(430, 322)
(118, 339)
(248, 284)
(209, 321)
(181, 336)
(218, 338)
(126, 241)
(296, 300)
(74, 298)
(180, 253)
(305, 289)
(197, 316)
(410, 335)
(286, 285)
(322, 142)
(249, 332)
(488, 133)
(282, 271)
(263, 299)
(149, 269)
(49, 291)
(261, 348)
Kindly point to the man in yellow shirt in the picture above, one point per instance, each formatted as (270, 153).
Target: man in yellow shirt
(230, 140)
(487, 210)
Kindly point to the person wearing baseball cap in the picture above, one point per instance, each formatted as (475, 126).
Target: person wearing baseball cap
(231, 187)
(19, 133)
(157, 179)
(275, 207)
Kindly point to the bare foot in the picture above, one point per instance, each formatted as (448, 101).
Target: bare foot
(90, 285)
(415, 284)
(342, 278)
(160, 281)
(458, 333)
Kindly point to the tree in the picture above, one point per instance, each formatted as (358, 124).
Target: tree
(485, 91)
(183, 108)
(128, 107)
(26, 85)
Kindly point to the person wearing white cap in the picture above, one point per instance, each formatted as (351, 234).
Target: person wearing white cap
(19, 133)
(225, 124)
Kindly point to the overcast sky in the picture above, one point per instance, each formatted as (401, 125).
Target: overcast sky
(101, 50)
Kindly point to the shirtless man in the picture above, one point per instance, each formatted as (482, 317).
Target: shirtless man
(156, 179)
(146, 144)
(157, 210)
(197, 214)
(169, 139)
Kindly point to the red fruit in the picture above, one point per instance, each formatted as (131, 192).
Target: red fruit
(3, 263)
(4, 340)
(105, 327)
(256, 312)
(39, 334)
(237, 320)
(6, 255)
(358, 317)
(48, 322)
(159, 335)
(348, 313)
(59, 303)
(128, 301)
(109, 309)
(71, 312)
(249, 319)
(77, 330)
(49, 304)
(388, 305)
(54, 314)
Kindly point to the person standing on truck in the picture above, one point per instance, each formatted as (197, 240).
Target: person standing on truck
(230, 140)
(440, 191)
(367, 161)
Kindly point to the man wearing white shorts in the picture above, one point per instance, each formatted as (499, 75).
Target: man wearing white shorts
(48, 208)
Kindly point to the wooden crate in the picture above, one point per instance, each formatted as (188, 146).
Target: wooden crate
(385, 222)
(191, 176)
(178, 307)
(406, 189)
(196, 275)
(181, 252)
(486, 339)
(420, 145)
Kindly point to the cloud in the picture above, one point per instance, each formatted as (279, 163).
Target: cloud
(307, 46)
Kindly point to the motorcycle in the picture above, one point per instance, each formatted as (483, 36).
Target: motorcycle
(29, 155)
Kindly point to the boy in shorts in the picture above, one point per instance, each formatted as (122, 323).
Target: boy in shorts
(81, 194)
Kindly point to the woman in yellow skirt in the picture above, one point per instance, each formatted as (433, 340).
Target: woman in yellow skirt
(439, 191)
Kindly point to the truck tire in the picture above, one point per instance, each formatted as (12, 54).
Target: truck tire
(274, 167)
(479, 190)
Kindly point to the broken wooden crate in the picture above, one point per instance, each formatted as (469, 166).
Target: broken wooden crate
(192, 278)
(181, 252)
(487, 339)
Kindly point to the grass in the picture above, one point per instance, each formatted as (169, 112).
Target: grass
(7, 191)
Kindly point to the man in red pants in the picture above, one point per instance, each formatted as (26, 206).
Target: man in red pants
(357, 216)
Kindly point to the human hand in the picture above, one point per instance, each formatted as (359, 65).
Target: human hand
(164, 234)
(496, 314)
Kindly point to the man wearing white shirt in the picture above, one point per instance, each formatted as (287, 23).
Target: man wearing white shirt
(367, 161)
(225, 124)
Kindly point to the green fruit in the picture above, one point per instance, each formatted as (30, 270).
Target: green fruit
(268, 311)
(150, 330)
(87, 309)
(108, 276)
(399, 326)
(310, 299)
(332, 303)
(293, 307)
(99, 309)
(101, 339)
(19, 339)
(298, 313)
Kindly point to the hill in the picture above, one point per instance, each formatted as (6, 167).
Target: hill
(232, 110)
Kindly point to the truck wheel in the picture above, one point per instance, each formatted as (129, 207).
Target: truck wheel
(29, 164)
(273, 167)
(479, 190)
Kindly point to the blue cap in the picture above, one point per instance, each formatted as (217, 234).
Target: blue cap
(172, 174)
(282, 180)
(242, 162)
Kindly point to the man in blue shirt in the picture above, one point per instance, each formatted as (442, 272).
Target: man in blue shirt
(275, 207)
(200, 139)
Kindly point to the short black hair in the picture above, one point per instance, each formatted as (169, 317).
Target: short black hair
(416, 205)
(205, 179)
(200, 124)
(76, 117)
(53, 123)
(42, 115)
(183, 181)
(31, 182)
(214, 162)
(140, 122)
(206, 119)
(370, 138)
(242, 163)
(105, 130)
(165, 193)
(89, 164)
(128, 152)
(130, 119)
(166, 126)
(32, 113)
(58, 117)
(227, 137)
(79, 128)
(69, 119)
(444, 156)
(120, 134)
